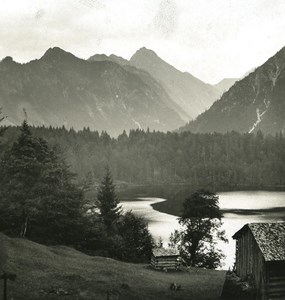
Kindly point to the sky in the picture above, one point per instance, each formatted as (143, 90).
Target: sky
(211, 39)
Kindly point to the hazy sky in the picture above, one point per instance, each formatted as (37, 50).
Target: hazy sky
(212, 39)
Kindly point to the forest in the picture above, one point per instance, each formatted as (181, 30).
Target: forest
(40, 200)
(57, 185)
(220, 161)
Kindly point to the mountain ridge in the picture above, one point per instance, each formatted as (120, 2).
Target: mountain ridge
(62, 89)
(191, 95)
(253, 103)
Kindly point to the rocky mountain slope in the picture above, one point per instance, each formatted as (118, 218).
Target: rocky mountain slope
(146, 77)
(191, 95)
(225, 84)
(255, 102)
(61, 89)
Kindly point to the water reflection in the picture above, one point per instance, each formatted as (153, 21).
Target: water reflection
(240, 208)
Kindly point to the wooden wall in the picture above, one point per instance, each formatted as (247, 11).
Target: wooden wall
(165, 262)
(276, 280)
(250, 262)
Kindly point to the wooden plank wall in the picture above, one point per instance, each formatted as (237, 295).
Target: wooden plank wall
(276, 280)
(250, 262)
(164, 262)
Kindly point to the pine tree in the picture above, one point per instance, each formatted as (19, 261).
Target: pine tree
(20, 172)
(108, 201)
(137, 241)
(2, 129)
(37, 196)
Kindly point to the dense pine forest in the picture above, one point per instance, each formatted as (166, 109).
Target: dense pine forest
(229, 161)
(39, 200)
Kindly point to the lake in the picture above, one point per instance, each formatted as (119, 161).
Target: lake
(239, 208)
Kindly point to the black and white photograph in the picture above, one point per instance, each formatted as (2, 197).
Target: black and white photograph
(142, 150)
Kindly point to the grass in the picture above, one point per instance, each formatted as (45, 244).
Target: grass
(60, 272)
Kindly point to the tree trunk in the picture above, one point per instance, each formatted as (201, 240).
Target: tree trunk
(193, 252)
(25, 224)
(5, 287)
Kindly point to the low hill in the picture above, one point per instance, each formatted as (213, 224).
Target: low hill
(57, 272)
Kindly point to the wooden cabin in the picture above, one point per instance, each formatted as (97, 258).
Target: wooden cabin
(260, 258)
(165, 258)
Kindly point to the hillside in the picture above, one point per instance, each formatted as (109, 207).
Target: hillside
(254, 103)
(191, 95)
(60, 272)
(146, 78)
(61, 89)
(225, 84)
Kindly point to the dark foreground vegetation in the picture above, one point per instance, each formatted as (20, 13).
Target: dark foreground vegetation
(200, 231)
(40, 200)
(231, 160)
(58, 272)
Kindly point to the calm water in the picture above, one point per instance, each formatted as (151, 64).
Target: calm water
(244, 207)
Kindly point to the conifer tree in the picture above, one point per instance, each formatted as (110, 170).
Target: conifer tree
(108, 201)
(37, 196)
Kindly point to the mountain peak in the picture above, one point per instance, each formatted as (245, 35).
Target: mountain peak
(113, 58)
(99, 57)
(8, 59)
(55, 54)
(144, 53)
(256, 102)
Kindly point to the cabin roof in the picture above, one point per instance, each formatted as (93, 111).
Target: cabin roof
(160, 252)
(270, 238)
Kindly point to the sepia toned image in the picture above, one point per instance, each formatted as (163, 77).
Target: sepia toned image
(142, 149)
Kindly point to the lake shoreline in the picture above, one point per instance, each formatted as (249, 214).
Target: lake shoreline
(175, 193)
(173, 206)
(236, 211)
(239, 208)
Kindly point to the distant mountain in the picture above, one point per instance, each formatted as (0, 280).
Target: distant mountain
(191, 95)
(255, 102)
(225, 84)
(146, 77)
(114, 58)
(61, 89)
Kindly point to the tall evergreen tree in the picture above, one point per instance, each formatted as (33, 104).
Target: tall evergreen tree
(108, 201)
(137, 240)
(20, 171)
(37, 196)
(2, 129)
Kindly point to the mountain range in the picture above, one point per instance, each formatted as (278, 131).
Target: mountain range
(256, 102)
(115, 94)
(191, 95)
(61, 89)
(103, 93)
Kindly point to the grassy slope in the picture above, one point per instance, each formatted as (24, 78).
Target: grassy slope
(44, 271)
